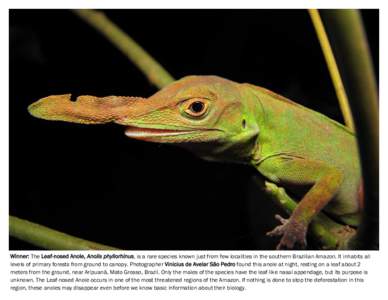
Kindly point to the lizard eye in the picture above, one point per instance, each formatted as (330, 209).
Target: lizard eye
(196, 107)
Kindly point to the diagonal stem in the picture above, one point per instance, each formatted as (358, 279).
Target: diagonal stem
(47, 238)
(155, 73)
(333, 68)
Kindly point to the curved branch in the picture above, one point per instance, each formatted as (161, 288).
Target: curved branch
(346, 32)
(47, 238)
(155, 73)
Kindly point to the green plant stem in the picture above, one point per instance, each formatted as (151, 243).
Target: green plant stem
(155, 73)
(327, 233)
(48, 238)
(332, 67)
(346, 32)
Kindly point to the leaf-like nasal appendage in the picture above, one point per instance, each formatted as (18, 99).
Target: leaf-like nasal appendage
(85, 110)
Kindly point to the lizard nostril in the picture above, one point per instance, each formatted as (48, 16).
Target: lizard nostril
(73, 98)
(244, 123)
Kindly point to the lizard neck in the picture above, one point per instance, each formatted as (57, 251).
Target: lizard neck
(257, 107)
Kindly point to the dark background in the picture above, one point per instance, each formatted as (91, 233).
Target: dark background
(93, 182)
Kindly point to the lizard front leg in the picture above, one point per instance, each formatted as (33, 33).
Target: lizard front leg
(325, 182)
(326, 233)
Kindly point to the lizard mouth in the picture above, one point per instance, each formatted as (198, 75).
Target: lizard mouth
(144, 133)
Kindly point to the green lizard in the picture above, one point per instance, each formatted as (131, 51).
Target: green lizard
(304, 151)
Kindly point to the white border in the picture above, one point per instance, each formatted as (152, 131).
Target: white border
(380, 266)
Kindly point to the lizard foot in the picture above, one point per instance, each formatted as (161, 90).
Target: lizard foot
(293, 233)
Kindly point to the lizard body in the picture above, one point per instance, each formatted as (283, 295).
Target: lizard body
(304, 151)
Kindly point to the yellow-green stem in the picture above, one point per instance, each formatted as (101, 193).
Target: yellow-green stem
(155, 73)
(333, 68)
(47, 238)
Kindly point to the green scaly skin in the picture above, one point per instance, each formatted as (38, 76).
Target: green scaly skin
(217, 119)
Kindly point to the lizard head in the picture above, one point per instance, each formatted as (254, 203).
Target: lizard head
(205, 114)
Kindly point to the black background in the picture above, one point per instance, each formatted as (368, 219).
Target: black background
(93, 182)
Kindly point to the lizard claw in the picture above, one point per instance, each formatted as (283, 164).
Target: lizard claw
(293, 233)
(281, 219)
